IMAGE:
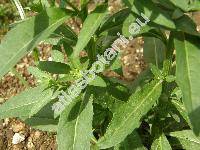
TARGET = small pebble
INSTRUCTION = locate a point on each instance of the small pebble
(18, 138)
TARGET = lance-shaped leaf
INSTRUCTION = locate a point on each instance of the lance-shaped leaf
(183, 4)
(127, 117)
(160, 17)
(67, 34)
(127, 25)
(75, 125)
(194, 5)
(57, 56)
(38, 74)
(109, 98)
(54, 67)
(47, 95)
(43, 120)
(188, 26)
(186, 138)
(21, 104)
(26, 35)
(114, 20)
(181, 109)
(131, 142)
(98, 81)
(165, 3)
(155, 14)
(161, 143)
(187, 74)
(90, 25)
(154, 51)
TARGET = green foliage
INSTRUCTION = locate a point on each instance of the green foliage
(158, 110)
(154, 51)
(90, 25)
(43, 120)
(185, 139)
(75, 125)
(132, 140)
(54, 67)
(25, 104)
(31, 31)
(154, 13)
(188, 51)
(128, 115)
(161, 143)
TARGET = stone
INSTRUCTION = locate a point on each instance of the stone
(18, 138)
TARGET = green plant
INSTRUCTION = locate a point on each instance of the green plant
(158, 110)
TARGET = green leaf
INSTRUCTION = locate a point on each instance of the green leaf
(52, 40)
(187, 74)
(67, 77)
(43, 120)
(188, 26)
(75, 125)
(127, 117)
(149, 9)
(107, 98)
(38, 74)
(194, 6)
(21, 104)
(90, 25)
(116, 65)
(57, 56)
(177, 14)
(187, 139)
(100, 115)
(156, 72)
(114, 20)
(131, 142)
(68, 50)
(166, 3)
(141, 80)
(181, 109)
(68, 35)
(161, 143)
(47, 94)
(170, 78)
(127, 24)
(54, 67)
(26, 35)
(109, 101)
(154, 51)
(98, 81)
(183, 4)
